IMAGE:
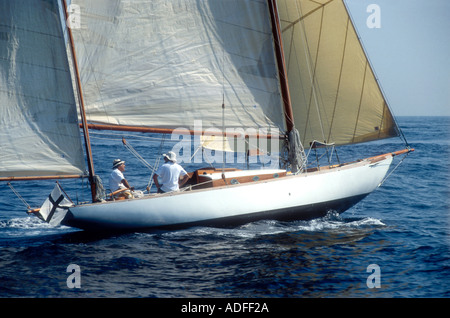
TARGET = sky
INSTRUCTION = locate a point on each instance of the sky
(408, 44)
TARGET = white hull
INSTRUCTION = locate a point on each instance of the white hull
(293, 197)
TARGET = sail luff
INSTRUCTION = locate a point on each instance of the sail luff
(360, 101)
(87, 141)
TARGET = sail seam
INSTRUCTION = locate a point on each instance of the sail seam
(360, 101)
(380, 129)
(339, 81)
(313, 93)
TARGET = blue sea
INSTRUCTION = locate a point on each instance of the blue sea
(393, 244)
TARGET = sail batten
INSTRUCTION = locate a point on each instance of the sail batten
(39, 134)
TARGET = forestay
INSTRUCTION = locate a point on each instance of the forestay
(39, 132)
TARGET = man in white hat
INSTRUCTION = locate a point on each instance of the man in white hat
(117, 180)
(172, 175)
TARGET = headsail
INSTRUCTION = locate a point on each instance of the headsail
(179, 60)
(335, 95)
(39, 132)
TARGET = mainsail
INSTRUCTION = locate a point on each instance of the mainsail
(335, 95)
(180, 60)
(39, 132)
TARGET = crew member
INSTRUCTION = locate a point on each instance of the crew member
(172, 175)
(117, 180)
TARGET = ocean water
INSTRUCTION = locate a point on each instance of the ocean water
(393, 244)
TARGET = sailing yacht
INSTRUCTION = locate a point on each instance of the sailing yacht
(293, 71)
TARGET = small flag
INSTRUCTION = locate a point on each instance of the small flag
(55, 207)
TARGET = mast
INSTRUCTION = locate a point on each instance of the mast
(296, 156)
(276, 29)
(87, 142)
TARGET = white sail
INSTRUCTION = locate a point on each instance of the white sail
(167, 63)
(335, 95)
(39, 132)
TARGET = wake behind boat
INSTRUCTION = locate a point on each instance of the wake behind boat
(260, 70)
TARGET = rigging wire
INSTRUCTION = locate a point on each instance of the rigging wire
(395, 168)
(401, 134)
(223, 115)
(136, 154)
(158, 160)
(19, 196)
(118, 136)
